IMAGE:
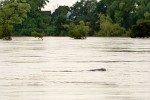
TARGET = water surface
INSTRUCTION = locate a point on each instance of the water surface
(57, 68)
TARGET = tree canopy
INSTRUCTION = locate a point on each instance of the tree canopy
(101, 18)
(12, 12)
(36, 20)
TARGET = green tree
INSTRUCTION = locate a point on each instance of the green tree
(36, 20)
(79, 31)
(37, 4)
(147, 15)
(141, 29)
(125, 12)
(108, 28)
(142, 7)
(60, 18)
(85, 10)
(101, 7)
(12, 12)
(121, 12)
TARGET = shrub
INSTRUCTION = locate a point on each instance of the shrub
(141, 29)
(27, 31)
(79, 31)
(36, 34)
(6, 32)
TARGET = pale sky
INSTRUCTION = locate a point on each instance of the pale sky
(53, 4)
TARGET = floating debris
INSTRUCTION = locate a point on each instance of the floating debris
(101, 69)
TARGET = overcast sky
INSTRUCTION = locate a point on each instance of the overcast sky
(53, 4)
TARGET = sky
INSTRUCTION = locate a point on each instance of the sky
(53, 4)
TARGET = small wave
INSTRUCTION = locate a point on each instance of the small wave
(28, 56)
(69, 71)
(25, 61)
(129, 51)
(65, 71)
(111, 61)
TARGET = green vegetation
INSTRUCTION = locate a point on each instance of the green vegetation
(84, 18)
(6, 32)
(35, 21)
(36, 34)
(11, 13)
(60, 18)
(108, 28)
(141, 29)
(79, 31)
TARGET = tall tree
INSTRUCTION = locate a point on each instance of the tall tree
(36, 20)
(101, 7)
(108, 28)
(37, 4)
(12, 12)
(60, 18)
(121, 11)
(142, 7)
(85, 10)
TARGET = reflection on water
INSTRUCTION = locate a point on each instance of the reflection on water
(59, 68)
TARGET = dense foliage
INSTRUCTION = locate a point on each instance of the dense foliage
(141, 29)
(12, 12)
(35, 21)
(103, 18)
(36, 34)
(79, 31)
(108, 28)
(84, 18)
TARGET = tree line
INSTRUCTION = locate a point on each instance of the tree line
(84, 18)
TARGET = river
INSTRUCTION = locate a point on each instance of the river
(57, 68)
